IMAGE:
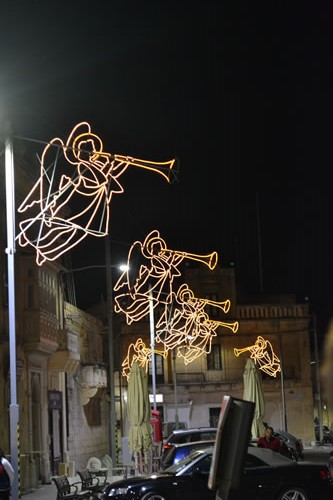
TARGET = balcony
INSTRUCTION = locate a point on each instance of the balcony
(39, 332)
(190, 378)
(67, 357)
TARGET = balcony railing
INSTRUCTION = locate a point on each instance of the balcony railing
(190, 377)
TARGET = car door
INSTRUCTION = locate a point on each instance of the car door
(194, 484)
(257, 481)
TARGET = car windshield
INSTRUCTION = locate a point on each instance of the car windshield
(182, 464)
(257, 456)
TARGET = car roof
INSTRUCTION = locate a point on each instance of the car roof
(193, 443)
(194, 429)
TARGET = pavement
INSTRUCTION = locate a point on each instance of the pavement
(49, 491)
(46, 491)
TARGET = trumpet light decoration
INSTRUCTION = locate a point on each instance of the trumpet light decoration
(151, 280)
(140, 353)
(263, 355)
(71, 201)
(190, 330)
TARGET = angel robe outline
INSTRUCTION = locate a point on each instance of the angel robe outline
(190, 329)
(154, 280)
(263, 354)
(90, 177)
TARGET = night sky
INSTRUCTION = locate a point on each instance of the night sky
(240, 92)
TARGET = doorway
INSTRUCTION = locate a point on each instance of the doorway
(55, 429)
(214, 415)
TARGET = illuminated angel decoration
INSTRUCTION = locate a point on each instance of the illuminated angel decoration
(154, 276)
(70, 202)
(189, 329)
(140, 353)
(262, 353)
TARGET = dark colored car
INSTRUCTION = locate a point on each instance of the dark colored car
(188, 436)
(294, 444)
(178, 451)
(286, 450)
(267, 475)
(327, 434)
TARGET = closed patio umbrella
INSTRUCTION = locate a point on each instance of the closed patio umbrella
(253, 391)
(138, 410)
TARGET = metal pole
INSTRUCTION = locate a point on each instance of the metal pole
(175, 388)
(152, 345)
(318, 387)
(10, 251)
(113, 417)
(283, 393)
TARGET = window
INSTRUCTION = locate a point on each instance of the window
(214, 415)
(214, 358)
(212, 311)
(203, 465)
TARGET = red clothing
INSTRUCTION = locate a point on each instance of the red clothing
(274, 443)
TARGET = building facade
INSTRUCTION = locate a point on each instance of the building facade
(192, 392)
(63, 375)
(61, 371)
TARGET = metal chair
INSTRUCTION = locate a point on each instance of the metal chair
(91, 482)
(69, 491)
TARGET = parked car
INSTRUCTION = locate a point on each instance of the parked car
(267, 475)
(327, 434)
(187, 436)
(294, 444)
(169, 427)
(178, 451)
(286, 450)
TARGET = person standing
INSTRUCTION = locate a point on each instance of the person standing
(6, 476)
(269, 440)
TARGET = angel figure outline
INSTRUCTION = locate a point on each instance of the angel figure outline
(153, 278)
(262, 354)
(72, 201)
(189, 328)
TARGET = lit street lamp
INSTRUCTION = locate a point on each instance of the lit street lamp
(10, 251)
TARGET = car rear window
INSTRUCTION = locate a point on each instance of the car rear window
(189, 437)
(208, 435)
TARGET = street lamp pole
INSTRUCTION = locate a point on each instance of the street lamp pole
(152, 345)
(175, 388)
(113, 417)
(283, 392)
(318, 385)
(10, 251)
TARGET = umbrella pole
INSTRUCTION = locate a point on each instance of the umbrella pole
(136, 463)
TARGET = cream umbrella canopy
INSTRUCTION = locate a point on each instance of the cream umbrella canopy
(253, 391)
(138, 410)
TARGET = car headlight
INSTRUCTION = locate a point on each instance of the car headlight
(118, 491)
